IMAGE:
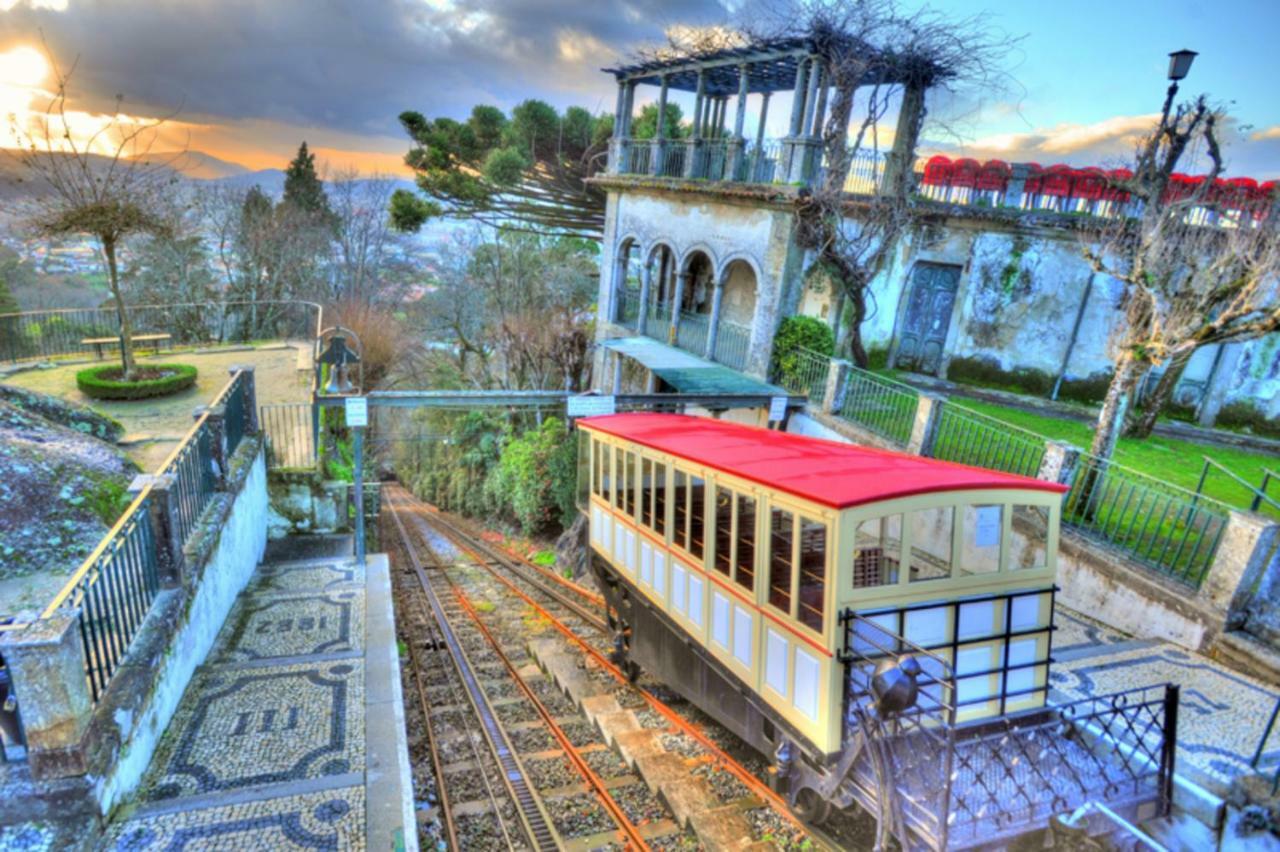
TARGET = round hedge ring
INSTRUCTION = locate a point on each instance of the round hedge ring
(151, 380)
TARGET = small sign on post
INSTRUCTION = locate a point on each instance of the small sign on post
(590, 405)
(777, 409)
(357, 410)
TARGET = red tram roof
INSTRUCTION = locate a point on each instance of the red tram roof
(827, 472)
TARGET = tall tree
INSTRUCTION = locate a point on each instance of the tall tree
(365, 244)
(112, 196)
(1192, 271)
(526, 171)
(303, 189)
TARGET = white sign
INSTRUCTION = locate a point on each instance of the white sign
(987, 531)
(777, 408)
(589, 405)
(357, 411)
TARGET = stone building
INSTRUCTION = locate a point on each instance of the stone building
(990, 285)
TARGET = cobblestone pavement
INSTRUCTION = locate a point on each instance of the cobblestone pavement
(1222, 714)
(283, 739)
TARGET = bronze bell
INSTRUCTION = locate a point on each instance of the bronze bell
(894, 685)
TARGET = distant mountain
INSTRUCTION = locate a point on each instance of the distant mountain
(202, 166)
(270, 181)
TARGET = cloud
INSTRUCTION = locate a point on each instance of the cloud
(346, 67)
(1265, 133)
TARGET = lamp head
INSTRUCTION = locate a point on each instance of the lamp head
(1180, 63)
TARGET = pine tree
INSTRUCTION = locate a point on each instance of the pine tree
(303, 189)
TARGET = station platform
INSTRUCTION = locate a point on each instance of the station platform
(292, 734)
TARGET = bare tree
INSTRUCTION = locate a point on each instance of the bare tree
(110, 185)
(1192, 273)
(873, 51)
(364, 238)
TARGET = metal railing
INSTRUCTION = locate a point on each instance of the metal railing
(628, 307)
(691, 334)
(866, 171)
(712, 159)
(639, 156)
(937, 783)
(880, 404)
(803, 371)
(968, 437)
(40, 335)
(1258, 493)
(287, 427)
(733, 345)
(114, 587)
(1171, 530)
(675, 157)
(760, 164)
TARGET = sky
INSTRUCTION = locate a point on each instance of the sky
(247, 80)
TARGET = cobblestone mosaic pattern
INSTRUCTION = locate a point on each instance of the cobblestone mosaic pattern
(332, 819)
(28, 837)
(291, 626)
(244, 727)
(1078, 633)
(1222, 714)
(324, 577)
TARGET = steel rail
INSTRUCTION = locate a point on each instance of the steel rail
(534, 819)
(718, 755)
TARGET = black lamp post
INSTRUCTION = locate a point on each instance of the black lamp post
(1179, 66)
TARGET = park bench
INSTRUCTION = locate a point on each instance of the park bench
(154, 339)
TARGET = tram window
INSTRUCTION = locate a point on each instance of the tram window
(1033, 530)
(586, 457)
(659, 498)
(931, 538)
(629, 478)
(813, 572)
(980, 542)
(619, 479)
(606, 479)
(877, 552)
(724, 531)
(646, 492)
(682, 509)
(697, 515)
(745, 558)
(781, 538)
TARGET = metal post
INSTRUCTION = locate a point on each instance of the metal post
(358, 451)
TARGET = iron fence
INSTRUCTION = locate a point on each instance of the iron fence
(39, 335)
(657, 323)
(691, 335)
(879, 404)
(289, 436)
(712, 159)
(733, 345)
(938, 783)
(969, 437)
(639, 156)
(866, 171)
(234, 401)
(628, 307)
(113, 590)
(760, 163)
(803, 371)
(675, 158)
(1171, 530)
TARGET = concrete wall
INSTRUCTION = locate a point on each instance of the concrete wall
(181, 629)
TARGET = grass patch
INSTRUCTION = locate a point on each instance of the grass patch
(1171, 459)
(545, 558)
(484, 606)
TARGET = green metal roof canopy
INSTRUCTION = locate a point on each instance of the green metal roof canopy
(688, 373)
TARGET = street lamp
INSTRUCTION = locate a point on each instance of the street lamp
(1179, 66)
(1180, 63)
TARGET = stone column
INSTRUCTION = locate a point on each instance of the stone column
(677, 299)
(46, 663)
(811, 98)
(1248, 550)
(694, 148)
(713, 324)
(617, 150)
(925, 428)
(899, 158)
(1059, 463)
(737, 143)
(163, 509)
(837, 377)
(617, 373)
(798, 92)
(642, 313)
(217, 427)
(659, 152)
(820, 115)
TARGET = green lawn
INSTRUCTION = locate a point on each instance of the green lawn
(1173, 460)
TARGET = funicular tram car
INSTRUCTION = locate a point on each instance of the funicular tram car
(770, 578)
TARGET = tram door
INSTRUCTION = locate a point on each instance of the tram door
(928, 317)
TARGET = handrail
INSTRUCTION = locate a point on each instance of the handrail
(92, 559)
(1258, 494)
(132, 308)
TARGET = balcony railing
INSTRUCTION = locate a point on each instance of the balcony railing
(733, 341)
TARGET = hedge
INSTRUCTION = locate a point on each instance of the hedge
(94, 382)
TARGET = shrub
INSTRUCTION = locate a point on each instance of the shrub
(795, 333)
(105, 382)
(536, 477)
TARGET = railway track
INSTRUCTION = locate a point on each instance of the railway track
(535, 821)
(560, 601)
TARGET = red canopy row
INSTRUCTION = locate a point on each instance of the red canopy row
(1062, 181)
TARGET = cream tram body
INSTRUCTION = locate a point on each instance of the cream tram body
(752, 543)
